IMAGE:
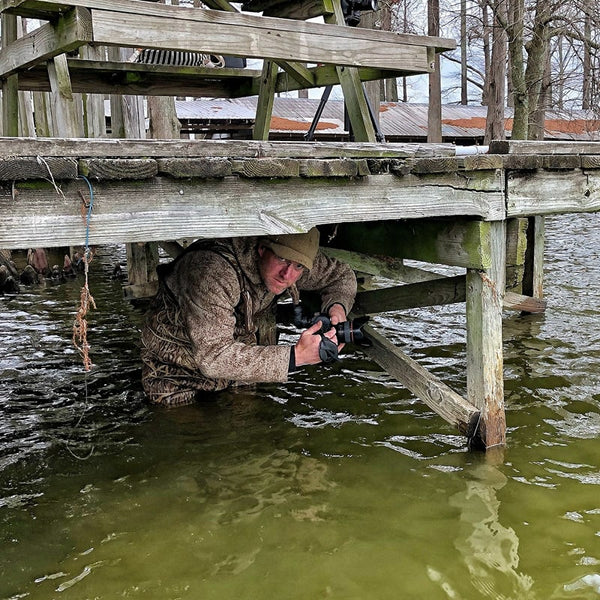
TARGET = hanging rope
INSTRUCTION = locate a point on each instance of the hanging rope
(80, 340)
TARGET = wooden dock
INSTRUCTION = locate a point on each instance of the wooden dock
(481, 212)
(405, 201)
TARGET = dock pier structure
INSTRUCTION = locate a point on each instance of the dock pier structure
(385, 200)
(482, 212)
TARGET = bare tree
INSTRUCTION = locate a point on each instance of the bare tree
(494, 129)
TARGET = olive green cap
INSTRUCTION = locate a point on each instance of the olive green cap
(297, 247)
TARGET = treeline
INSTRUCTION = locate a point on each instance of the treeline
(530, 55)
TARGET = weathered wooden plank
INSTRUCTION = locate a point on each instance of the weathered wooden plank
(130, 148)
(485, 383)
(142, 260)
(94, 111)
(111, 77)
(543, 147)
(53, 167)
(69, 32)
(452, 407)
(590, 162)
(331, 168)
(258, 40)
(484, 180)
(159, 80)
(328, 75)
(433, 292)
(174, 209)
(205, 168)
(523, 303)
(523, 162)
(436, 292)
(436, 165)
(266, 167)
(516, 246)
(460, 243)
(561, 161)
(118, 168)
(304, 76)
(478, 162)
(306, 9)
(362, 128)
(533, 275)
(234, 22)
(552, 192)
(383, 266)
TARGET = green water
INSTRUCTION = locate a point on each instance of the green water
(338, 485)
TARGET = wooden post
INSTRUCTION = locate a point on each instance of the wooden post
(162, 115)
(533, 276)
(10, 85)
(266, 96)
(485, 383)
(42, 116)
(26, 124)
(64, 112)
(142, 260)
(94, 119)
(434, 114)
(354, 94)
(127, 121)
(126, 112)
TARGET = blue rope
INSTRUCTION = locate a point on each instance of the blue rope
(89, 215)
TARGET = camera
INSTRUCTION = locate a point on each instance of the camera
(352, 8)
(348, 332)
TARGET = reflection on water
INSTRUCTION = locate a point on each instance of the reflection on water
(338, 485)
(489, 549)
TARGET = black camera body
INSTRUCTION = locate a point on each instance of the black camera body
(348, 332)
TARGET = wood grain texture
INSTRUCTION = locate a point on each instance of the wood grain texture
(165, 208)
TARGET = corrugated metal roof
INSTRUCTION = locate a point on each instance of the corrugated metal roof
(398, 120)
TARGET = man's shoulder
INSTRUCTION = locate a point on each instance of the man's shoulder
(209, 259)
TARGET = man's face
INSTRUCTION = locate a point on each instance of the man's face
(277, 273)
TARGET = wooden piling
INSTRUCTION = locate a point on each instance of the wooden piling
(485, 382)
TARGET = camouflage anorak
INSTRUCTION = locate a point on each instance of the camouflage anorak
(202, 332)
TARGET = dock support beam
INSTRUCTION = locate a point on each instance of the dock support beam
(142, 260)
(485, 382)
(533, 277)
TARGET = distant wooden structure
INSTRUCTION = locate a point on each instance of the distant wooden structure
(403, 201)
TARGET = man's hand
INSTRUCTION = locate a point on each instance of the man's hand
(307, 349)
(337, 314)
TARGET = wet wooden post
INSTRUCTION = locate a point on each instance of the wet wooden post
(485, 380)
(533, 276)
(142, 260)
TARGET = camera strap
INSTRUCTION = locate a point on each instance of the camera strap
(328, 350)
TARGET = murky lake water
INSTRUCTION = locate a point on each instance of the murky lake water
(339, 485)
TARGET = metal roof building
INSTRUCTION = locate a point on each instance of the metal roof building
(400, 122)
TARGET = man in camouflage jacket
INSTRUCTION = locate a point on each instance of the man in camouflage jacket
(203, 330)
